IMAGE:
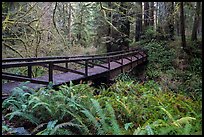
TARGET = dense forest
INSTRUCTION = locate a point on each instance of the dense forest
(161, 97)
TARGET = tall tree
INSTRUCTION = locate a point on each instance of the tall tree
(196, 22)
(138, 27)
(156, 16)
(161, 17)
(69, 21)
(151, 23)
(119, 24)
(146, 14)
(183, 37)
(177, 21)
(125, 26)
(109, 35)
(171, 20)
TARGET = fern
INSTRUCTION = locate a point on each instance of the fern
(35, 103)
(93, 120)
(30, 117)
(48, 130)
(170, 116)
(187, 129)
(62, 125)
(78, 118)
(149, 130)
(37, 128)
(45, 105)
(100, 113)
(115, 126)
(184, 120)
(139, 131)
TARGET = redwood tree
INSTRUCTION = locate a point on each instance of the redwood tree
(138, 27)
(151, 23)
(196, 22)
(183, 38)
(146, 14)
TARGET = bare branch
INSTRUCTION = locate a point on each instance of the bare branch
(8, 46)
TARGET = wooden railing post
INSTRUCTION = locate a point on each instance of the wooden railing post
(66, 65)
(86, 68)
(50, 72)
(121, 64)
(29, 71)
(92, 61)
(131, 60)
(108, 63)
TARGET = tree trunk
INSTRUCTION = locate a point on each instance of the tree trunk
(108, 44)
(138, 27)
(156, 17)
(177, 24)
(69, 22)
(146, 14)
(119, 37)
(171, 21)
(183, 38)
(152, 14)
(124, 27)
(196, 22)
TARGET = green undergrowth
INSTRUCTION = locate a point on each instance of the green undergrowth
(126, 107)
(173, 68)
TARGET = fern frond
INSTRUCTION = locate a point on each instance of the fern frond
(30, 117)
(34, 99)
(139, 131)
(64, 125)
(187, 129)
(169, 115)
(149, 130)
(17, 91)
(12, 102)
(100, 113)
(86, 130)
(93, 120)
(50, 127)
(183, 120)
(126, 107)
(115, 126)
(37, 128)
(45, 105)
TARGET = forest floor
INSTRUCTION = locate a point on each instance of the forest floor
(178, 75)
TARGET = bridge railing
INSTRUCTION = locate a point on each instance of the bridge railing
(66, 57)
(51, 64)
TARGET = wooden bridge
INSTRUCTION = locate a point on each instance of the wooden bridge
(106, 65)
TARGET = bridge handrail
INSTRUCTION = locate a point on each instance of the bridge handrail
(67, 57)
(57, 61)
